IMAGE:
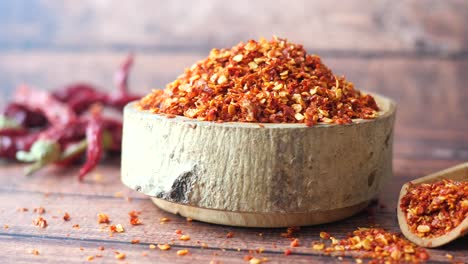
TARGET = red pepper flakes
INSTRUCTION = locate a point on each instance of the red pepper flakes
(290, 232)
(134, 220)
(39, 210)
(287, 252)
(164, 246)
(184, 237)
(164, 220)
(135, 241)
(248, 257)
(255, 261)
(324, 235)
(34, 252)
(76, 226)
(116, 228)
(433, 209)
(378, 244)
(119, 255)
(40, 222)
(66, 217)
(178, 232)
(295, 243)
(263, 82)
(101, 248)
(182, 252)
(230, 235)
(22, 209)
(103, 218)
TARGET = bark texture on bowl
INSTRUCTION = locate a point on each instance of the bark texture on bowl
(242, 167)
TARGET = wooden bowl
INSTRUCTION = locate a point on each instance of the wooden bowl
(244, 174)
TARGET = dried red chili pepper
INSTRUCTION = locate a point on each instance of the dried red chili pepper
(24, 117)
(55, 111)
(94, 133)
(54, 127)
(122, 97)
(10, 145)
(79, 96)
(13, 132)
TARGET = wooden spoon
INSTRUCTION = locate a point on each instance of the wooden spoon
(456, 173)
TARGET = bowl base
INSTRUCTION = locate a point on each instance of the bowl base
(248, 219)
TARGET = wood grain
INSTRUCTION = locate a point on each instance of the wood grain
(61, 238)
(416, 26)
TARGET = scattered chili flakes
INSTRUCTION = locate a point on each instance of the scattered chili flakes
(164, 246)
(34, 252)
(135, 241)
(66, 217)
(287, 252)
(184, 237)
(263, 82)
(324, 235)
(433, 209)
(378, 244)
(164, 220)
(290, 232)
(89, 258)
(248, 257)
(318, 246)
(76, 226)
(134, 220)
(178, 231)
(255, 261)
(103, 218)
(230, 235)
(182, 252)
(119, 255)
(22, 209)
(101, 248)
(295, 243)
(116, 228)
(39, 210)
(40, 222)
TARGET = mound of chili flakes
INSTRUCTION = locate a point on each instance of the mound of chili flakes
(267, 82)
(433, 209)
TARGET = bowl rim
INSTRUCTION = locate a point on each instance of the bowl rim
(388, 109)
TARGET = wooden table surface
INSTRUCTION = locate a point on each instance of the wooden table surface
(415, 52)
(58, 192)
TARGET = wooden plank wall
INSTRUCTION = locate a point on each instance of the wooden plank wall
(415, 52)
